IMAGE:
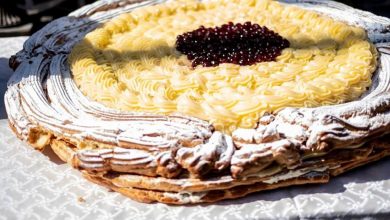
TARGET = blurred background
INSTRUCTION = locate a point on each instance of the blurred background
(24, 17)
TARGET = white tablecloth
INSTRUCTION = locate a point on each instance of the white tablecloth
(40, 186)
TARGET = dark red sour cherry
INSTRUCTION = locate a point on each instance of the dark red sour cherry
(242, 44)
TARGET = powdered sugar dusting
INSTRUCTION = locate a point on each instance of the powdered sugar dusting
(41, 94)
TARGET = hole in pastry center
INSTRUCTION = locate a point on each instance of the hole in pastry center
(141, 61)
(241, 44)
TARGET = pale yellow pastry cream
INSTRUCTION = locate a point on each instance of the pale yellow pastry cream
(130, 63)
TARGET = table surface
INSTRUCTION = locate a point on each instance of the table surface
(39, 186)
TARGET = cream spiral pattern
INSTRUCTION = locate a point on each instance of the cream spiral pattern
(130, 63)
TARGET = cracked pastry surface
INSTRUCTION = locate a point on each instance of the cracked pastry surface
(130, 63)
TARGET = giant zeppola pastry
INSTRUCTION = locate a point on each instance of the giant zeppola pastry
(198, 101)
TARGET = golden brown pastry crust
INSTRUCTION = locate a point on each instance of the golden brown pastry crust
(187, 190)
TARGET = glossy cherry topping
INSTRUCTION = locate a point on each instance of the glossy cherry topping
(242, 44)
